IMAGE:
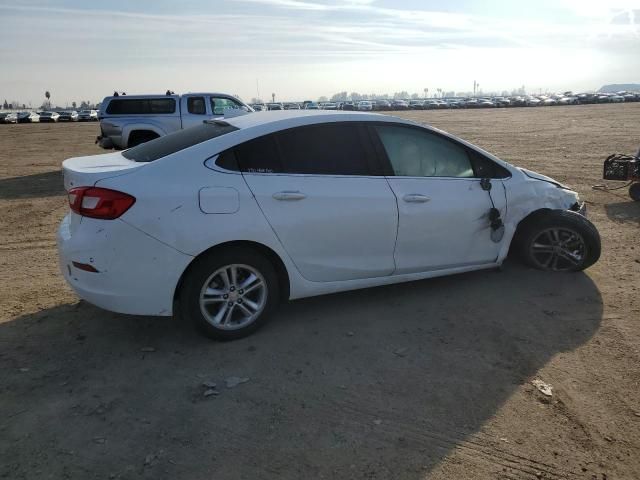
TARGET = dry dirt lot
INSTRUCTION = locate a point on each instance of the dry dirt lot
(424, 380)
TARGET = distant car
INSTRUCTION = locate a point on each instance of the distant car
(11, 117)
(382, 105)
(49, 117)
(275, 106)
(399, 105)
(617, 99)
(416, 104)
(430, 105)
(68, 116)
(27, 117)
(348, 106)
(365, 106)
(291, 106)
(232, 217)
(501, 102)
(311, 106)
(330, 106)
(88, 116)
(259, 107)
(3, 116)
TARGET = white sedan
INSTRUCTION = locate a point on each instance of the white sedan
(226, 219)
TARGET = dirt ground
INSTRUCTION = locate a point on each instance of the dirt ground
(424, 380)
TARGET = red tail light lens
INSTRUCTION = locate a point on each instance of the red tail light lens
(99, 203)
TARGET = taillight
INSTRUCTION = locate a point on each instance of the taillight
(99, 203)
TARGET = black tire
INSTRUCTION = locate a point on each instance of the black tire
(634, 191)
(570, 237)
(200, 274)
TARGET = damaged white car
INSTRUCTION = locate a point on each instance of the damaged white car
(224, 220)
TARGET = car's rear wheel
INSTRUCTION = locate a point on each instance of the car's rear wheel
(634, 191)
(559, 241)
(230, 293)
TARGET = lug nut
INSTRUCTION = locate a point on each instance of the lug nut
(240, 291)
(225, 296)
(239, 300)
(230, 304)
(233, 289)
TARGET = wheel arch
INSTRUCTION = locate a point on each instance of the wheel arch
(281, 270)
(522, 224)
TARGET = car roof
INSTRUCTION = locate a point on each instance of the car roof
(281, 119)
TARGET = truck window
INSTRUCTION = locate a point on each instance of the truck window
(218, 104)
(140, 106)
(196, 106)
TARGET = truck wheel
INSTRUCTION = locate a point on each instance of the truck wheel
(230, 293)
(559, 241)
(634, 191)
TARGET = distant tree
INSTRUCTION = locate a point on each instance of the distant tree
(339, 97)
(256, 100)
(5, 105)
(323, 99)
(355, 96)
(47, 95)
(426, 92)
(401, 95)
(415, 96)
(73, 104)
(24, 106)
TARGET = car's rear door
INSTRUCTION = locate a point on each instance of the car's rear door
(319, 189)
(443, 210)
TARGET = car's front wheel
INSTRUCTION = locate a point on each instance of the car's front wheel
(230, 293)
(559, 241)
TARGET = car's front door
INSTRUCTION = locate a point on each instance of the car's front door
(443, 210)
(318, 188)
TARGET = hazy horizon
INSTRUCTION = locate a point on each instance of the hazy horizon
(301, 49)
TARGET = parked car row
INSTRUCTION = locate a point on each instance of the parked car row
(566, 98)
(49, 116)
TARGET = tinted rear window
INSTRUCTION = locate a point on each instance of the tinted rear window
(137, 106)
(174, 142)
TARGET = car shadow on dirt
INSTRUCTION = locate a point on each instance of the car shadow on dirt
(32, 186)
(628, 211)
(377, 383)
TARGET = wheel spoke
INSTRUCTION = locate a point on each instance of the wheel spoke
(542, 248)
(214, 292)
(248, 281)
(253, 305)
(258, 284)
(246, 311)
(570, 256)
(234, 275)
(220, 315)
(210, 300)
(225, 279)
(228, 315)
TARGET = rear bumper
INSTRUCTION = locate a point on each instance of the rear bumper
(136, 274)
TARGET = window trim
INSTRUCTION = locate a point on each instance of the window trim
(388, 166)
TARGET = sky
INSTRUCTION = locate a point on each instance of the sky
(303, 49)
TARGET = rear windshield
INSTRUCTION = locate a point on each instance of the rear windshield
(174, 142)
(137, 106)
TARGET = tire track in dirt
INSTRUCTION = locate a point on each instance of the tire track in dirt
(476, 445)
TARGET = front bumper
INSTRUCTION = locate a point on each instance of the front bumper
(579, 207)
(136, 274)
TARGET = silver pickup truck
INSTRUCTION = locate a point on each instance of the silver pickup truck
(129, 120)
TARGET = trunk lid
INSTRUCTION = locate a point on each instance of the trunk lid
(86, 171)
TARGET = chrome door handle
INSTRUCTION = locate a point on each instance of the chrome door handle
(287, 195)
(415, 198)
